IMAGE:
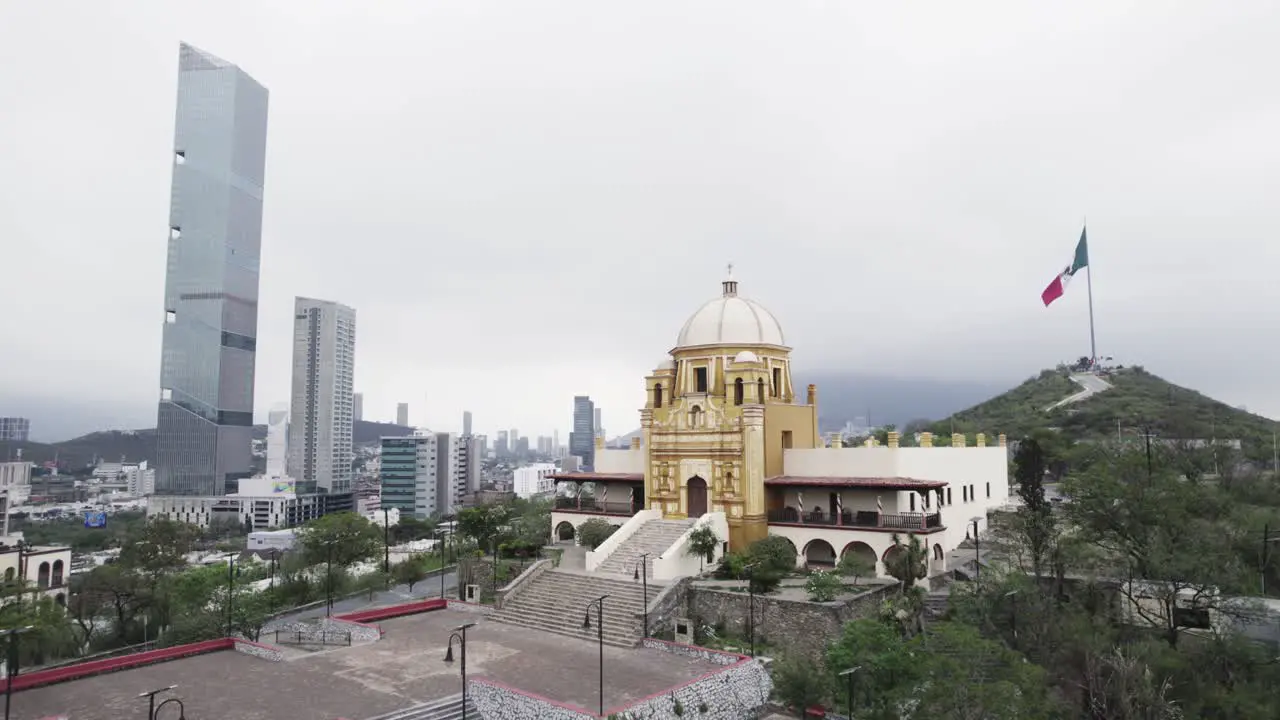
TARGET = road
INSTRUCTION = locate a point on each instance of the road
(429, 588)
(1091, 384)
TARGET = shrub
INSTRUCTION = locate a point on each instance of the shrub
(823, 586)
(594, 532)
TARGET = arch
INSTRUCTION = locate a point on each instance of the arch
(657, 395)
(819, 552)
(565, 531)
(760, 390)
(937, 552)
(43, 577)
(8, 574)
(61, 599)
(58, 569)
(738, 391)
(795, 553)
(696, 496)
(695, 416)
(860, 550)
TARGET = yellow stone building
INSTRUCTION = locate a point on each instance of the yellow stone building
(726, 440)
(719, 413)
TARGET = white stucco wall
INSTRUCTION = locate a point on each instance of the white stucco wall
(628, 460)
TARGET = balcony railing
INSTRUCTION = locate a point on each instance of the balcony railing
(591, 505)
(860, 519)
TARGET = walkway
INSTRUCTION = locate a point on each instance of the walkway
(1091, 384)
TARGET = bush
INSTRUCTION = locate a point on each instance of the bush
(594, 532)
(774, 553)
(823, 586)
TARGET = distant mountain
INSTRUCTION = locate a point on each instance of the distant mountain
(1137, 399)
(138, 445)
(883, 400)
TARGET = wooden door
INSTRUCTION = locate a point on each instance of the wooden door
(697, 497)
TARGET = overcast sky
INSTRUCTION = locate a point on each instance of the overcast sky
(524, 200)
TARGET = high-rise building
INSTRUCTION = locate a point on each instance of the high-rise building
(513, 439)
(533, 480)
(204, 426)
(402, 414)
(582, 440)
(482, 444)
(502, 447)
(357, 406)
(597, 427)
(469, 456)
(277, 443)
(425, 474)
(15, 428)
(324, 351)
(555, 442)
(466, 422)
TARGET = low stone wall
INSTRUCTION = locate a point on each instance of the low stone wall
(324, 631)
(796, 627)
(495, 700)
(719, 657)
(528, 576)
(360, 632)
(470, 607)
(736, 692)
(258, 650)
(665, 608)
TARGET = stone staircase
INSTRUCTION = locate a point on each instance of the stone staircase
(654, 537)
(936, 604)
(556, 602)
(449, 708)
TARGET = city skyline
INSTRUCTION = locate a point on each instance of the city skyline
(490, 231)
(210, 309)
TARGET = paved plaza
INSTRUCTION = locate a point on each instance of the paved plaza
(404, 668)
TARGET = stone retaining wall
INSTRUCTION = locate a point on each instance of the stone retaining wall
(495, 700)
(664, 608)
(736, 692)
(796, 627)
(360, 632)
(258, 650)
(324, 631)
(719, 657)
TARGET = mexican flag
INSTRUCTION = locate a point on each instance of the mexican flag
(1078, 263)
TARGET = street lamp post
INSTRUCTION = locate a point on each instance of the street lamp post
(750, 570)
(598, 603)
(386, 544)
(849, 674)
(460, 634)
(1013, 615)
(11, 667)
(977, 552)
(231, 588)
(328, 580)
(642, 574)
(152, 710)
(1268, 537)
(440, 542)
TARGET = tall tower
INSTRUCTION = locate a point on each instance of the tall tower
(324, 352)
(582, 438)
(466, 423)
(277, 442)
(357, 406)
(720, 412)
(205, 422)
(402, 414)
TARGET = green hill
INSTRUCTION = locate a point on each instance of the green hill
(1137, 400)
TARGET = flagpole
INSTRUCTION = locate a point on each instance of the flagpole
(1093, 343)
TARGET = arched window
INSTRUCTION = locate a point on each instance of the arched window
(737, 391)
(760, 390)
(43, 578)
(695, 417)
(8, 574)
(58, 569)
(657, 395)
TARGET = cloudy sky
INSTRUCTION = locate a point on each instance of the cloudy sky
(525, 199)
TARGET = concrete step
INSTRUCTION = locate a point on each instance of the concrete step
(449, 708)
(610, 638)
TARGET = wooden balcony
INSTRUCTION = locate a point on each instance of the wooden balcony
(921, 523)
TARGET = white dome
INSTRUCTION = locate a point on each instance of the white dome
(746, 356)
(731, 320)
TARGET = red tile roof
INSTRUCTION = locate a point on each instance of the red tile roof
(869, 483)
(603, 477)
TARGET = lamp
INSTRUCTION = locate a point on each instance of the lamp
(460, 634)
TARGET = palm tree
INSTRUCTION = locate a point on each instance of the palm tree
(907, 562)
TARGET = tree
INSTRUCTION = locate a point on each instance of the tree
(483, 523)
(1034, 522)
(823, 586)
(853, 565)
(344, 538)
(410, 528)
(774, 557)
(703, 543)
(593, 533)
(907, 562)
(796, 684)
(159, 547)
(1170, 539)
(410, 572)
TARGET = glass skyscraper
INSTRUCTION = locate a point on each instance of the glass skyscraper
(205, 423)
